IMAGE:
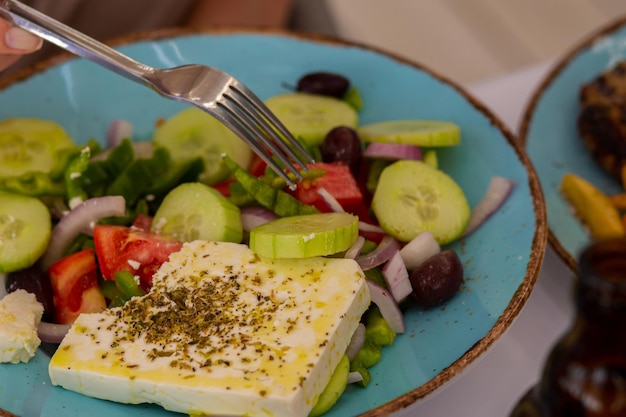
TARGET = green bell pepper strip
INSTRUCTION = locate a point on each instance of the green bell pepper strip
(121, 289)
(80, 242)
(36, 184)
(377, 334)
(239, 196)
(271, 178)
(280, 202)
(376, 167)
(75, 194)
(129, 288)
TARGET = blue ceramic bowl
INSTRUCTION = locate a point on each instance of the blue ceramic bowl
(502, 259)
(550, 133)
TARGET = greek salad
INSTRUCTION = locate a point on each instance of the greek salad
(84, 227)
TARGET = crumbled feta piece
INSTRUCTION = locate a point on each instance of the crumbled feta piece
(75, 202)
(20, 314)
(134, 264)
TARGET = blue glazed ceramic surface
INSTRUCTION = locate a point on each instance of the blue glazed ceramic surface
(502, 259)
(550, 133)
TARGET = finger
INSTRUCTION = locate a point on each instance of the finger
(14, 40)
(7, 60)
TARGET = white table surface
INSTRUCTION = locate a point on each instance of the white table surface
(493, 383)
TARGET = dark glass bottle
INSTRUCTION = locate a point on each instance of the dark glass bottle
(585, 373)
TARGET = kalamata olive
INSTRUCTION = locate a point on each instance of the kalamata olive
(437, 279)
(324, 83)
(35, 281)
(342, 144)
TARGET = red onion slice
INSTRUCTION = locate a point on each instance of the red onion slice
(118, 130)
(355, 249)
(356, 343)
(388, 307)
(385, 250)
(392, 151)
(372, 228)
(397, 277)
(252, 217)
(354, 376)
(78, 220)
(497, 193)
(52, 332)
(420, 248)
(329, 199)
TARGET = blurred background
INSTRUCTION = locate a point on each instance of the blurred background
(466, 40)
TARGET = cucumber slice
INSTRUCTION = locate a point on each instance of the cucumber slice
(412, 132)
(336, 386)
(195, 211)
(412, 197)
(24, 231)
(310, 117)
(193, 133)
(30, 145)
(305, 236)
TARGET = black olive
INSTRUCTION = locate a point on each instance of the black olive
(324, 83)
(37, 282)
(342, 144)
(437, 279)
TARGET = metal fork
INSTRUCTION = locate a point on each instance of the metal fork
(210, 89)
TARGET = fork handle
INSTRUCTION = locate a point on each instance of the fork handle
(73, 41)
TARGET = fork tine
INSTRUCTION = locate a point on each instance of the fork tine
(243, 129)
(247, 120)
(259, 107)
(269, 135)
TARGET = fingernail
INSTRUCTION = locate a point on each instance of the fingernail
(18, 38)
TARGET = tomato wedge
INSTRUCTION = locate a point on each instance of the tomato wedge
(143, 222)
(120, 248)
(338, 181)
(75, 287)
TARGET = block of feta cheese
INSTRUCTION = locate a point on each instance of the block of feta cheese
(222, 331)
(20, 314)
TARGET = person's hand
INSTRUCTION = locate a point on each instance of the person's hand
(15, 42)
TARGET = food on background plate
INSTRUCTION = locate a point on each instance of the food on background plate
(593, 207)
(602, 128)
(135, 213)
(602, 119)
